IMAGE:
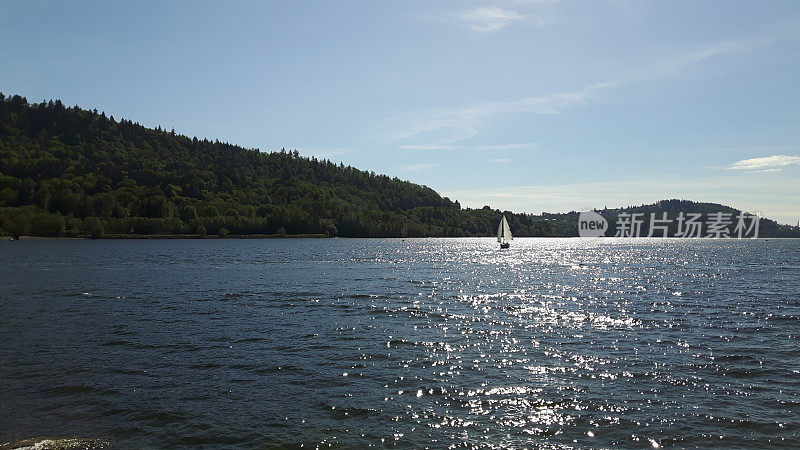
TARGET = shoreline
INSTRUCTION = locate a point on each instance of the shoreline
(324, 236)
(166, 236)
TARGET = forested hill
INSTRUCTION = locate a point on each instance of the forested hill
(65, 171)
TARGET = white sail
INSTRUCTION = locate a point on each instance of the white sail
(500, 230)
(504, 231)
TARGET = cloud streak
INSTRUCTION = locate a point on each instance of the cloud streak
(765, 164)
(430, 147)
(459, 124)
(485, 147)
(488, 19)
(514, 146)
(463, 123)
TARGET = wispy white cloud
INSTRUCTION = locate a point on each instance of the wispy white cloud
(463, 123)
(675, 63)
(766, 163)
(488, 19)
(514, 146)
(421, 166)
(764, 171)
(484, 147)
(430, 147)
(459, 124)
(499, 160)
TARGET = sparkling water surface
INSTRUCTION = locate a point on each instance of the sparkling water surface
(402, 343)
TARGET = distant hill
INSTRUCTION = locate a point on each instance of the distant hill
(66, 171)
(566, 224)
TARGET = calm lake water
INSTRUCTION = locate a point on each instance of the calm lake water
(406, 343)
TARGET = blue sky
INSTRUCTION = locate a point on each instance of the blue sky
(537, 105)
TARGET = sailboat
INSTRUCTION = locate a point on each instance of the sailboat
(504, 233)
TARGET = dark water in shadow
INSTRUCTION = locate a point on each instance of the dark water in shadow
(402, 343)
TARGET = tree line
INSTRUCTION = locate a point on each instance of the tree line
(66, 171)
